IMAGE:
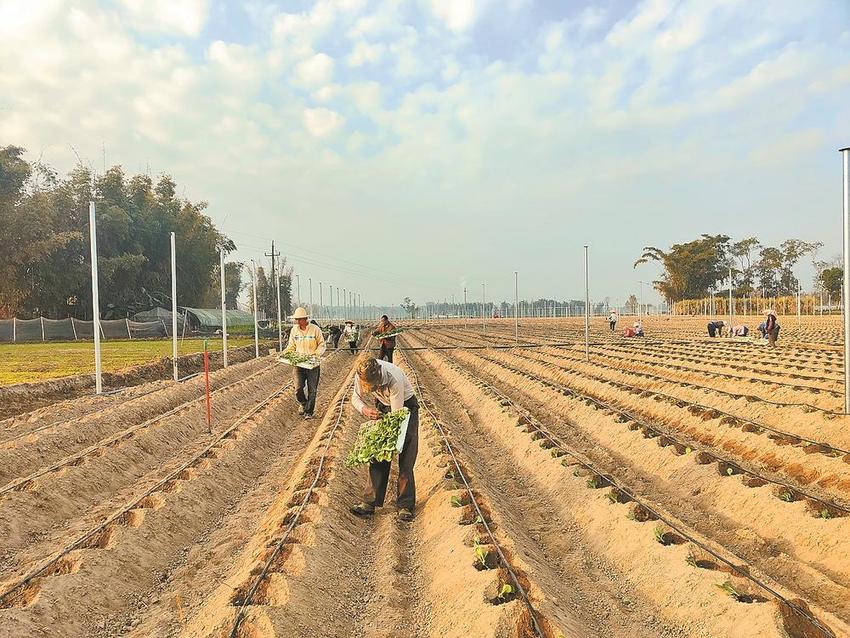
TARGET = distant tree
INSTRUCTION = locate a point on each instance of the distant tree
(409, 307)
(832, 279)
(46, 264)
(690, 269)
(632, 304)
(742, 251)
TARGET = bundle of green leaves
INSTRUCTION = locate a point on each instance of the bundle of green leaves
(376, 440)
(294, 358)
(391, 333)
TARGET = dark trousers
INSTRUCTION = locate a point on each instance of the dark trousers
(352, 345)
(379, 473)
(310, 378)
(712, 330)
(386, 353)
(772, 336)
(613, 325)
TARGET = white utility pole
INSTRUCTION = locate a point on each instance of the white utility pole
(845, 152)
(256, 327)
(95, 302)
(731, 303)
(586, 310)
(174, 305)
(483, 302)
(223, 313)
(279, 312)
(516, 306)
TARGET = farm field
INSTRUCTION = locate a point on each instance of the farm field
(671, 486)
(26, 362)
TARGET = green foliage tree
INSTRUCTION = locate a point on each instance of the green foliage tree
(45, 229)
(832, 279)
(409, 307)
(690, 270)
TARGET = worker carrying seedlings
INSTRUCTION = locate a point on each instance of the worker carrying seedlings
(392, 391)
(715, 328)
(387, 344)
(305, 338)
(771, 328)
(612, 320)
(334, 333)
(350, 334)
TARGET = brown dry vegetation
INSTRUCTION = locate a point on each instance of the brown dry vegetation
(672, 486)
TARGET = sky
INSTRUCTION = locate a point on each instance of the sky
(416, 147)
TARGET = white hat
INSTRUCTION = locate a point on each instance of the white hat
(300, 313)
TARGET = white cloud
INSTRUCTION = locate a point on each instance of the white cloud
(185, 17)
(322, 122)
(457, 15)
(366, 53)
(317, 69)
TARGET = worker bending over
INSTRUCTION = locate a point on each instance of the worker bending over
(392, 391)
(715, 328)
(305, 338)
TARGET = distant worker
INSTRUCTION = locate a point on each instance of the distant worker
(715, 328)
(388, 344)
(392, 391)
(334, 333)
(638, 327)
(612, 320)
(763, 329)
(305, 338)
(771, 326)
(739, 331)
(350, 334)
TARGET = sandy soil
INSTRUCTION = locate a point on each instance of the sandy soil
(648, 492)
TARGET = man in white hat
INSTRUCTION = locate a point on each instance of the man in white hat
(305, 338)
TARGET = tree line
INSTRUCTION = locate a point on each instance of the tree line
(45, 268)
(695, 269)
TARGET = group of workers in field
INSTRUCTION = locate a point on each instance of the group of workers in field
(378, 377)
(636, 330)
(768, 329)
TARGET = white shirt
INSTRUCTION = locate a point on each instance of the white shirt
(394, 390)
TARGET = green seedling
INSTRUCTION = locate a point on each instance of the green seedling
(825, 513)
(506, 590)
(456, 502)
(481, 554)
(479, 520)
(688, 450)
(659, 534)
(612, 497)
(729, 471)
(729, 589)
(787, 496)
(593, 482)
(690, 560)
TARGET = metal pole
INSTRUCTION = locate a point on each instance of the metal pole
(586, 310)
(731, 307)
(845, 152)
(798, 303)
(95, 301)
(298, 280)
(256, 327)
(516, 304)
(174, 305)
(321, 302)
(310, 279)
(464, 307)
(483, 318)
(223, 313)
(279, 318)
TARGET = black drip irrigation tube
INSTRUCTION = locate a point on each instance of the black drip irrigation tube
(782, 404)
(743, 573)
(707, 407)
(87, 536)
(520, 589)
(111, 439)
(252, 591)
(661, 432)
